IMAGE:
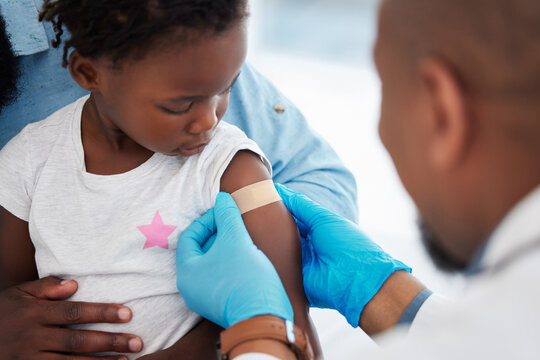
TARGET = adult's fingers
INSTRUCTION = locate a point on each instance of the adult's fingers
(228, 218)
(86, 341)
(195, 237)
(49, 288)
(303, 208)
(70, 312)
(208, 244)
(302, 228)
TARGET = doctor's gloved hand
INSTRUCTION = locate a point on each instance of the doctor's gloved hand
(342, 268)
(222, 275)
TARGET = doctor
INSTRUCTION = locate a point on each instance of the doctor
(460, 118)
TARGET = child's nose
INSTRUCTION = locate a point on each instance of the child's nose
(204, 121)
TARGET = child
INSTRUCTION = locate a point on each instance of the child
(101, 190)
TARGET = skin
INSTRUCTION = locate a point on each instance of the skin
(169, 102)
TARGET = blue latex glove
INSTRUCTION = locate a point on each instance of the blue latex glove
(222, 275)
(342, 268)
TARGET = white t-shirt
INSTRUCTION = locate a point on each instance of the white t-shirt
(116, 235)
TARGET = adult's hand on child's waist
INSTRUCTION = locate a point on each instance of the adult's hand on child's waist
(33, 315)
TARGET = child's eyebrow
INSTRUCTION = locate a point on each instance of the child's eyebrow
(202, 97)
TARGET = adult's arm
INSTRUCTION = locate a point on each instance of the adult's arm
(382, 313)
(301, 159)
(425, 339)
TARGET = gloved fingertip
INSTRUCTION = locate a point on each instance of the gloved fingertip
(227, 216)
(207, 220)
(225, 204)
(282, 190)
(224, 201)
(223, 196)
(303, 229)
(208, 244)
(195, 236)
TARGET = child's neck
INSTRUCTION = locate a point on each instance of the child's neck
(108, 151)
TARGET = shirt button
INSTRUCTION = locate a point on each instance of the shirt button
(279, 108)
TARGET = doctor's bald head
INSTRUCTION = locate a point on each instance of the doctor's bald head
(492, 45)
(459, 114)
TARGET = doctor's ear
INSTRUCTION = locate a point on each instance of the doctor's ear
(449, 119)
(84, 71)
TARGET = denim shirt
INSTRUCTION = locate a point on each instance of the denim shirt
(301, 159)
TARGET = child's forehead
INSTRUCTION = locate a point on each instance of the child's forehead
(206, 64)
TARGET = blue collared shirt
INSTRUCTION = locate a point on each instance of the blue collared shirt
(300, 158)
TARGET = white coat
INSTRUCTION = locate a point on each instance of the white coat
(496, 317)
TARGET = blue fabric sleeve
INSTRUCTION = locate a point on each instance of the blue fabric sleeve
(410, 313)
(301, 159)
(26, 32)
(44, 85)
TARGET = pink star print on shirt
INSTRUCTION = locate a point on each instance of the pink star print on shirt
(157, 233)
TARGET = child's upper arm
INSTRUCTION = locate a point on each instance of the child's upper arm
(274, 231)
(17, 262)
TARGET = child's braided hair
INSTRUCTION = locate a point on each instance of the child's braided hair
(123, 28)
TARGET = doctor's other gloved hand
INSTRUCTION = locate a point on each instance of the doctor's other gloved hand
(222, 275)
(342, 268)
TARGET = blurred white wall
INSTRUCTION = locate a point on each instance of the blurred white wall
(318, 52)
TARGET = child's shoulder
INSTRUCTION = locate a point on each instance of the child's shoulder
(224, 130)
(41, 135)
(56, 120)
(36, 140)
(227, 141)
(226, 138)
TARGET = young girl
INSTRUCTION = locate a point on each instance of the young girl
(100, 191)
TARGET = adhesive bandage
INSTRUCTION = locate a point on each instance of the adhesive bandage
(256, 195)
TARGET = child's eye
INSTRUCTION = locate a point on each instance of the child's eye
(228, 90)
(183, 111)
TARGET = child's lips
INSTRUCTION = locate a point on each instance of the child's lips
(192, 150)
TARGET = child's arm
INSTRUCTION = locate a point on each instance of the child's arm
(274, 231)
(17, 264)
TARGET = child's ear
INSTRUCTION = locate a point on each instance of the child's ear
(84, 71)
